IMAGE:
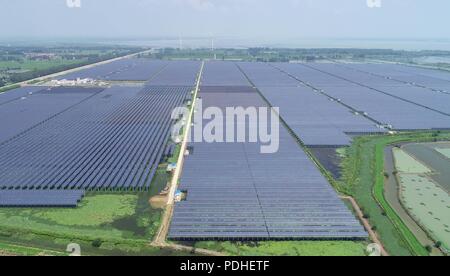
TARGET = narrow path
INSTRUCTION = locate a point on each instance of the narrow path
(372, 234)
(160, 239)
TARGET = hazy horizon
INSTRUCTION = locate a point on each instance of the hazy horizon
(290, 23)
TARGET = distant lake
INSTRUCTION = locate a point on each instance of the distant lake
(412, 45)
(433, 59)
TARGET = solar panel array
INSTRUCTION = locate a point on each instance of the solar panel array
(17, 94)
(318, 120)
(222, 74)
(114, 140)
(234, 192)
(178, 73)
(431, 79)
(386, 101)
(315, 119)
(27, 111)
(130, 69)
(263, 76)
(40, 198)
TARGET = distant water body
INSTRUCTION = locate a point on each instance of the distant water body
(230, 42)
(411, 45)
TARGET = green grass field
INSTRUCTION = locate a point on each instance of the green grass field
(363, 178)
(32, 65)
(96, 218)
(123, 223)
(288, 248)
(19, 250)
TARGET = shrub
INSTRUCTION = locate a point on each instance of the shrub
(97, 243)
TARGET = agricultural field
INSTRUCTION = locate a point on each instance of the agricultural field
(423, 195)
(364, 177)
(428, 204)
(18, 64)
(405, 163)
(104, 223)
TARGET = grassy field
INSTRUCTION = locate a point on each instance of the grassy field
(363, 178)
(36, 65)
(289, 248)
(18, 250)
(116, 224)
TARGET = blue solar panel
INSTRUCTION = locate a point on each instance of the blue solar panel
(131, 69)
(386, 101)
(112, 140)
(45, 103)
(177, 73)
(40, 198)
(234, 192)
(223, 74)
(18, 94)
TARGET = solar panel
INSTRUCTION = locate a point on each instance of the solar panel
(130, 69)
(112, 140)
(391, 105)
(45, 103)
(236, 193)
(40, 198)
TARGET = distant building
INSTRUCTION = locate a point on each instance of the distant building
(77, 82)
(171, 167)
(178, 196)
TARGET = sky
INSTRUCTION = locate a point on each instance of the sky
(269, 19)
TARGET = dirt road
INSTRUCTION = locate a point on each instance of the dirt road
(372, 234)
(160, 239)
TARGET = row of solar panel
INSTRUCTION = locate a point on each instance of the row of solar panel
(40, 198)
(113, 140)
(240, 193)
(388, 102)
(324, 104)
(37, 105)
(155, 72)
(131, 69)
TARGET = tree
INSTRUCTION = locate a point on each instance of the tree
(97, 243)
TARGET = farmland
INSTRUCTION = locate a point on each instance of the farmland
(425, 197)
(18, 64)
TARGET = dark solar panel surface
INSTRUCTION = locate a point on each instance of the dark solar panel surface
(217, 73)
(178, 73)
(131, 69)
(42, 105)
(384, 100)
(17, 94)
(314, 118)
(40, 198)
(263, 75)
(235, 192)
(112, 140)
(99, 71)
